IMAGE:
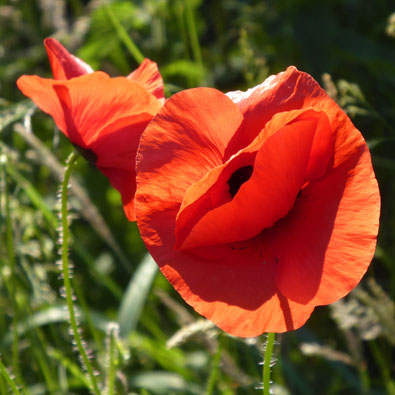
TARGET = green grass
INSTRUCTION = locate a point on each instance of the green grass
(127, 312)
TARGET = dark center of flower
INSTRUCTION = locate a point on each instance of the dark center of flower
(238, 178)
(87, 153)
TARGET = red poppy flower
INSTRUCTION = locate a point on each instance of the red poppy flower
(259, 208)
(102, 116)
(66, 66)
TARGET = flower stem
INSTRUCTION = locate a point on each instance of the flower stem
(123, 35)
(190, 18)
(9, 379)
(215, 364)
(12, 262)
(71, 161)
(111, 359)
(267, 363)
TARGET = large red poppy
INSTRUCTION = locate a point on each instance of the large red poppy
(258, 205)
(102, 116)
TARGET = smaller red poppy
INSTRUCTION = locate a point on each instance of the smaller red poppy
(258, 205)
(103, 117)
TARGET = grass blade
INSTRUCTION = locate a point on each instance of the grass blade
(123, 35)
(9, 379)
(136, 295)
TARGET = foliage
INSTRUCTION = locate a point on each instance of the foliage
(140, 335)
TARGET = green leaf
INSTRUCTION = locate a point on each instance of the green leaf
(164, 383)
(52, 315)
(184, 68)
(71, 366)
(136, 295)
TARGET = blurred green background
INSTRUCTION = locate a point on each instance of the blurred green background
(142, 337)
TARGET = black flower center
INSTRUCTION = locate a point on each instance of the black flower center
(238, 178)
(87, 153)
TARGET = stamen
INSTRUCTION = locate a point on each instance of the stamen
(238, 178)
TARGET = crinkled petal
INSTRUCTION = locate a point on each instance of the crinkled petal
(286, 91)
(41, 91)
(147, 74)
(94, 102)
(327, 241)
(189, 136)
(104, 117)
(316, 253)
(87, 108)
(330, 236)
(205, 195)
(64, 65)
(118, 142)
(233, 284)
(280, 169)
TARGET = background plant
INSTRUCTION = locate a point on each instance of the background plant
(141, 336)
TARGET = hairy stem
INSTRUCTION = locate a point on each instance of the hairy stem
(9, 379)
(267, 363)
(66, 272)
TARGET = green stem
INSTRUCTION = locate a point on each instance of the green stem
(193, 32)
(384, 370)
(214, 368)
(71, 160)
(267, 363)
(179, 10)
(123, 35)
(10, 238)
(9, 379)
(11, 285)
(112, 361)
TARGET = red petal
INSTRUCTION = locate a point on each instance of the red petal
(147, 74)
(286, 91)
(328, 249)
(186, 139)
(64, 65)
(116, 146)
(94, 103)
(86, 115)
(234, 287)
(314, 255)
(280, 170)
(236, 290)
(125, 182)
(208, 193)
(41, 91)
(330, 235)
(101, 114)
